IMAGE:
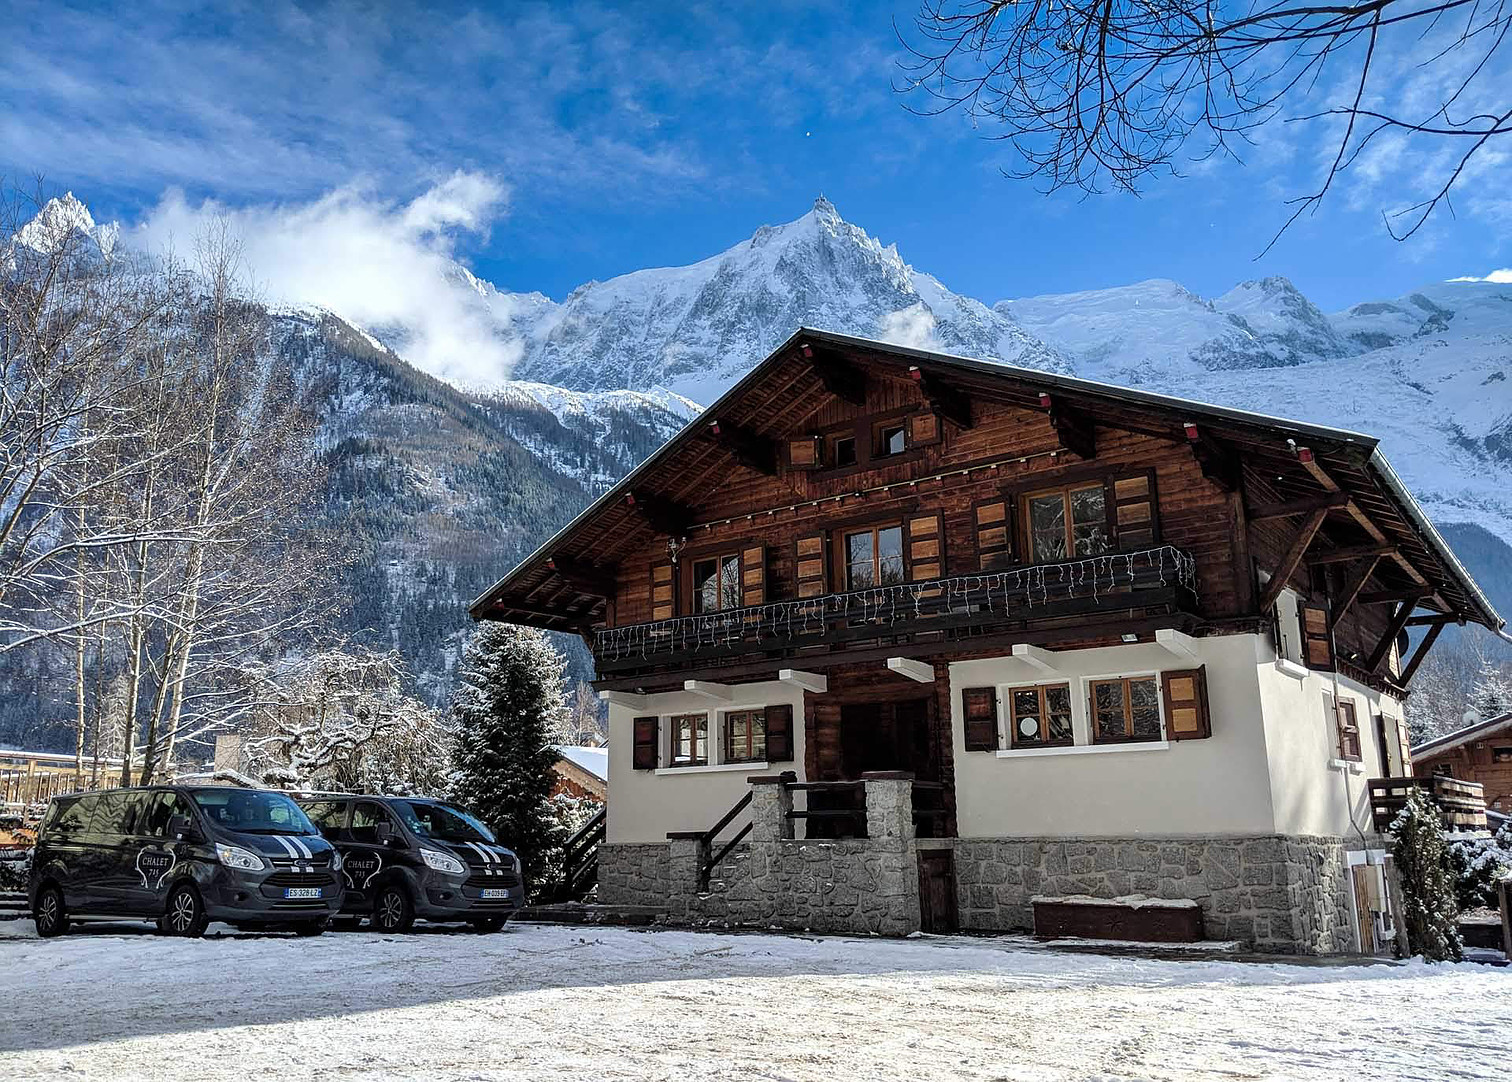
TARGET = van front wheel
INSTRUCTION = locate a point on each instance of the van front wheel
(50, 916)
(393, 912)
(185, 915)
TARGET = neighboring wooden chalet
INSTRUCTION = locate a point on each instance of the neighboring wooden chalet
(1479, 753)
(1012, 638)
(581, 772)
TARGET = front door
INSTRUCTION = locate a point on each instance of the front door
(937, 891)
(886, 736)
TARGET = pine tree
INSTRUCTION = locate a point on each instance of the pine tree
(1492, 694)
(1418, 849)
(508, 702)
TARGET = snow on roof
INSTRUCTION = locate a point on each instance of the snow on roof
(594, 760)
(1453, 740)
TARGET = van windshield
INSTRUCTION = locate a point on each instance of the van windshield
(252, 811)
(441, 821)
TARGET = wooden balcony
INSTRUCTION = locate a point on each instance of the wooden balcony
(1162, 579)
(1462, 803)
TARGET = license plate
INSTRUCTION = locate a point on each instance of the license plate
(494, 892)
(301, 892)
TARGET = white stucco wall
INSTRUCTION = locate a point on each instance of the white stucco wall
(645, 804)
(1218, 785)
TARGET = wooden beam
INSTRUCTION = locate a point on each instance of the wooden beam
(1353, 585)
(815, 682)
(750, 450)
(1266, 512)
(1315, 469)
(709, 689)
(946, 400)
(1346, 553)
(1219, 465)
(1421, 652)
(840, 378)
(1436, 618)
(1074, 430)
(1394, 628)
(1303, 537)
(1037, 656)
(588, 578)
(919, 671)
(1386, 597)
(663, 515)
(573, 620)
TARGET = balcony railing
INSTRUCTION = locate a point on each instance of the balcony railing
(1162, 575)
(1461, 803)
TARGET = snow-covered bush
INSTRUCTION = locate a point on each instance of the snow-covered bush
(1478, 861)
(15, 868)
(508, 704)
(1418, 849)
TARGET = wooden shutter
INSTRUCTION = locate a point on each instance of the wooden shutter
(1186, 704)
(1132, 511)
(753, 575)
(979, 711)
(662, 594)
(1317, 646)
(994, 534)
(812, 579)
(645, 753)
(923, 429)
(779, 733)
(926, 547)
(806, 453)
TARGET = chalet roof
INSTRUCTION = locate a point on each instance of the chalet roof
(542, 590)
(1470, 733)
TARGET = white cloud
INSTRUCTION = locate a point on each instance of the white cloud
(913, 326)
(1501, 277)
(385, 265)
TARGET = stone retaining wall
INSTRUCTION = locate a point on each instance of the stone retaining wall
(634, 874)
(1271, 893)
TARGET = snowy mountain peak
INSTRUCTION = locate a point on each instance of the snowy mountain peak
(61, 218)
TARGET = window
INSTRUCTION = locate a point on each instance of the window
(873, 557)
(889, 439)
(1349, 731)
(365, 819)
(1501, 755)
(1125, 710)
(161, 808)
(745, 736)
(73, 821)
(1067, 523)
(329, 816)
(110, 815)
(843, 451)
(1040, 716)
(1443, 770)
(716, 583)
(690, 739)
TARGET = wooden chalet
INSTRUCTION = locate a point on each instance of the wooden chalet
(1079, 620)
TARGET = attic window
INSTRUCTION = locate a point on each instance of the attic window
(1501, 755)
(843, 451)
(890, 440)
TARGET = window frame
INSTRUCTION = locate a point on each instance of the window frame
(1011, 720)
(875, 530)
(1341, 730)
(880, 429)
(727, 723)
(1094, 730)
(718, 559)
(672, 722)
(1065, 492)
(833, 448)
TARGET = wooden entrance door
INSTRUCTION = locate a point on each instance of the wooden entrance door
(886, 736)
(937, 892)
(1367, 900)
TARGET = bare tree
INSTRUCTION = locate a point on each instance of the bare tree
(1097, 94)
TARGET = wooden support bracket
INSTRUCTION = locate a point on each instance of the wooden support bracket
(1421, 652)
(1303, 537)
(1346, 553)
(1394, 628)
(920, 671)
(1037, 656)
(750, 450)
(1075, 431)
(944, 399)
(1179, 644)
(840, 378)
(1353, 585)
(709, 689)
(1218, 464)
(1266, 512)
(818, 683)
(663, 515)
(588, 578)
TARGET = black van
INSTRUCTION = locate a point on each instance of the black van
(183, 856)
(406, 857)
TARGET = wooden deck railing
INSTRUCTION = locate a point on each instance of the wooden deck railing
(1163, 575)
(1462, 803)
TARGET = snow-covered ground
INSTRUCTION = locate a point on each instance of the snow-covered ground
(539, 1002)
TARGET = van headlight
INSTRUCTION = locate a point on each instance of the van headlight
(442, 862)
(234, 856)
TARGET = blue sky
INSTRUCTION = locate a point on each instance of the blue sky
(598, 139)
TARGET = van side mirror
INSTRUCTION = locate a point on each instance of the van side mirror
(180, 828)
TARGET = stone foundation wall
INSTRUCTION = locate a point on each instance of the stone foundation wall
(1271, 893)
(634, 874)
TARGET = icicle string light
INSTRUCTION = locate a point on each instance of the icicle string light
(1002, 593)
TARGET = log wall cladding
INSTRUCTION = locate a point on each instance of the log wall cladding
(947, 496)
